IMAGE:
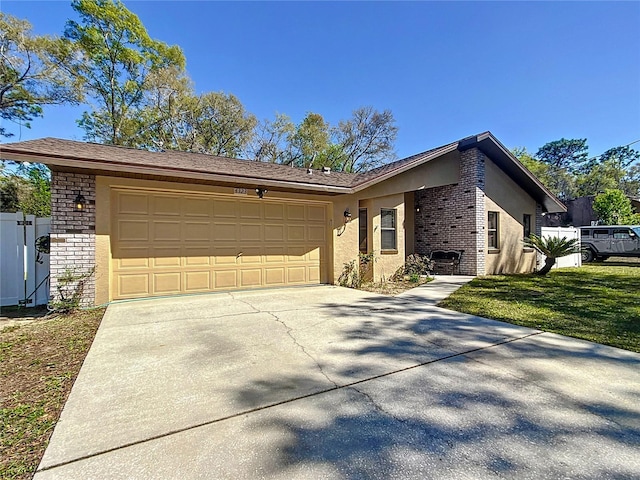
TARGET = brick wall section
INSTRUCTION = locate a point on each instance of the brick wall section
(453, 217)
(72, 232)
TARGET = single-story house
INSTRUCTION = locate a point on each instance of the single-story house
(167, 223)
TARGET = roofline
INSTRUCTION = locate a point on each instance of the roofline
(483, 141)
(104, 166)
(404, 167)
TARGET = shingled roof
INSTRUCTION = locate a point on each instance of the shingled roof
(72, 155)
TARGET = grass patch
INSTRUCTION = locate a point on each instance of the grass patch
(595, 302)
(38, 364)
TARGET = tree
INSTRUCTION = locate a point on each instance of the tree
(564, 153)
(613, 207)
(111, 56)
(29, 79)
(367, 139)
(218, 124)
(309, 140)
(552, 248)
(26, 189)
(271, 142)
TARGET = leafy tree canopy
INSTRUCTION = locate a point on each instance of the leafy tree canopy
(111, 57)
(29, 78)
(613, 207)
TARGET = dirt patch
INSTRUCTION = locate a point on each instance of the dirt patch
(393, 288)
(38, 364)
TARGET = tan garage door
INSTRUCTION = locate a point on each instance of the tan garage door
(164, 244)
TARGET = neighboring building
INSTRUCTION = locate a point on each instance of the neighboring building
(165, 223)
(580, 213)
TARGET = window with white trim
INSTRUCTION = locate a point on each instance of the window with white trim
(388, 229)
(493, 232)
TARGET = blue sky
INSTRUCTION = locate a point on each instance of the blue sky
(531, 72)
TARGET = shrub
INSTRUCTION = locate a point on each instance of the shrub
(415, 264)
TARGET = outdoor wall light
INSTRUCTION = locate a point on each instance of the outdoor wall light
(260, 192)
(80, 202)
(347, 216)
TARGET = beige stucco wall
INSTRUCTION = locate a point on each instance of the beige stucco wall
(396, 192)
(512, 202)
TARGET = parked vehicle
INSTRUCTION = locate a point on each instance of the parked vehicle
(603, 241)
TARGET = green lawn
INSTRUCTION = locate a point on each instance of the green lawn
(600, 303)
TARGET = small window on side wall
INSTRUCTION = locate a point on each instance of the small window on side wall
(526, 225)
(493, 231)
(388, 230)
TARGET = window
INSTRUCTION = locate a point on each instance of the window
(621, 234)
(388, 229)
(492, 230)
(601, 234)
(362, 230)
(526, 225)
(586, 233)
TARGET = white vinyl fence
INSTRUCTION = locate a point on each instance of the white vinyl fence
(573, 260)
(24, 271)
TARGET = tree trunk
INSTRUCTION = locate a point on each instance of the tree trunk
(548, 263)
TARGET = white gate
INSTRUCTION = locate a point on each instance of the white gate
(573, 260)
(24, 273)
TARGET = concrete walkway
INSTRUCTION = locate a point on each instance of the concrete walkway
(327, 382)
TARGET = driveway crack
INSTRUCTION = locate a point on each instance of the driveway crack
(379, 407)
(289, 331)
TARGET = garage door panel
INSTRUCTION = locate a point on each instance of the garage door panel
(274, 233)
(133, 231)
(166, 243)
(251, 210)
(274, 276)
(225, 256)
(166, 231)
(251, 277)
(197, 257)
(197, 231)
(225, 208)
(250, 232)
(295, 213)
(132, 285)
(295, 233)
(317, 233)
(132, 204)
(274, 211)
(274, 254)
(296, 274)
(162, 257)
(166, 283)
(296, 254)
(250, 256)
(225, 232)
(316, 213)
(165, 205)
(314, 274)
(225, 279)
(197, 207)
(197, 281)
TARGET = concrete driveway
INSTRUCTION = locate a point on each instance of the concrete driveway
(327, 382)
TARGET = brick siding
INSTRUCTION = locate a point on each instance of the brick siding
(72, 232)
(453, 217)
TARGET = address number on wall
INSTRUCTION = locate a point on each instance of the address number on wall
(239, 191)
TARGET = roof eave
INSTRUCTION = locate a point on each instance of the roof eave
(495, 150)
(109, 167)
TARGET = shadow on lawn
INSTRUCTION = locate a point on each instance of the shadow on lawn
(493, 412)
